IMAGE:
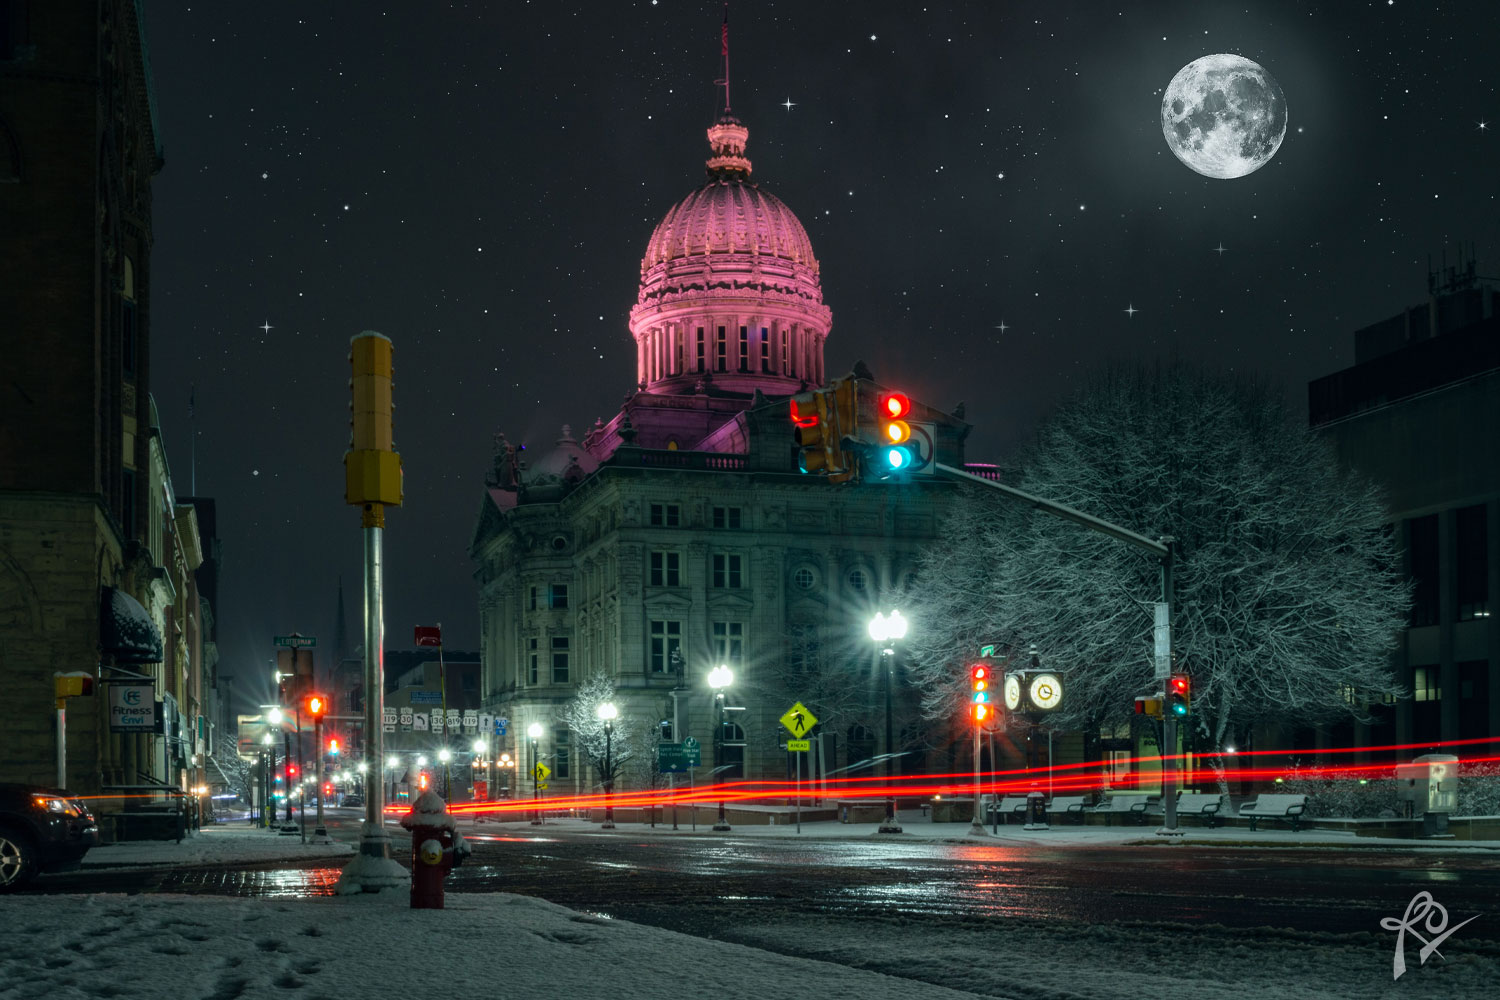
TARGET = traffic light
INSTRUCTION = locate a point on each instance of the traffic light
(893, 452)
(979, 684)
(333, 748)
(1179, 695)
(327, 788)
(811, 431)
(291, 772)
(1148, 706)
(315, 705)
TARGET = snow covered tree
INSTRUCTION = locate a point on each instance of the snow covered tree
(581, 716)
(1287, 584)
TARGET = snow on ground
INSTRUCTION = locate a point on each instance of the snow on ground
(374, 945)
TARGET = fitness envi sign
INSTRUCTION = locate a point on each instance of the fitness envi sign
(132, 708)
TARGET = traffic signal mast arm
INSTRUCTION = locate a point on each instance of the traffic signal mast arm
(1162, 549)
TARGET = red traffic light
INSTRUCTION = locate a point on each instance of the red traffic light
(894, 405)
(807, 414)
(315, 705)
(291, 770)
(333, 746)
(1180, 684)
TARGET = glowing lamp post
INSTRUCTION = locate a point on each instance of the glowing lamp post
(887, 631)
(719, 678)
(609, 713)
(535, 732)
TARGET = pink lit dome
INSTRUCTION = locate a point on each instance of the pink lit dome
(730, 294)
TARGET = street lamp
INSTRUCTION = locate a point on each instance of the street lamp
(886, 632)
(535, 732)
(609, 713)
(719, 678)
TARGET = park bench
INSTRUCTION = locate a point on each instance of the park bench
(1069, 805)
(1204, 805)
(1123, 805)
(1275, 807)
(1010, 805)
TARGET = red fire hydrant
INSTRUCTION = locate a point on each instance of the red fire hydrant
(436, 847)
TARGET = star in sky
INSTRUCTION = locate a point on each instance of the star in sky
(1130, 310)
(1220, 248)
(1482, 126)
(266, 326)
(1002, 327)
(789, 104)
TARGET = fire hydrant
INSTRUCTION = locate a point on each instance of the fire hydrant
(436, 847)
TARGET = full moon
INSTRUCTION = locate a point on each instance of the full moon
(1224, 115)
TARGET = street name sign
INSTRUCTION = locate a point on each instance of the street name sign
(296, 641)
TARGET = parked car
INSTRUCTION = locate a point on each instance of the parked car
(354, 800)
(41, 830)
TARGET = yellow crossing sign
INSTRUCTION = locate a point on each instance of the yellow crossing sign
(542, 772)
(798, 720)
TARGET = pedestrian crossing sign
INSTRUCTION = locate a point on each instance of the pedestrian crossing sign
(798, 720)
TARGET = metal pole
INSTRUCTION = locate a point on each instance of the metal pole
(286, 772)
(994, 784)
(723, 823)
(1169, 722)
(609, 778)
(798, 755)
(319, 830)
(374, 841)
(890, 825)
(301, 779)
(976, 825)
(536, 792)
(62, 743)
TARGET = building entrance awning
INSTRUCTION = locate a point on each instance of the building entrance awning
(126, 631)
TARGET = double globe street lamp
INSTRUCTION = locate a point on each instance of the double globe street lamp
(887, 631)
(608, 713)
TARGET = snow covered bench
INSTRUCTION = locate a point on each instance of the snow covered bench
(1069, 805)
(1010, 805)
(1275, 807)
(1201, 804)
(1123, 805)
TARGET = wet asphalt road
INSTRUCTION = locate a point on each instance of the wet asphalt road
(709, 884)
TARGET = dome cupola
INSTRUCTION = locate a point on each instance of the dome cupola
(729, 293)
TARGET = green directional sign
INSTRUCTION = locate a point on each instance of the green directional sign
(675, 758)
(296, 641)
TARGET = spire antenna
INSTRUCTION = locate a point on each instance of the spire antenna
(724, 50)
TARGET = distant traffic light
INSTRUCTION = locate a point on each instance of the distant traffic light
(291, 771)
(979, 696)
(1179, 695)
(333, 748)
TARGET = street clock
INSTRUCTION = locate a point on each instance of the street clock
(1012, 692)
(1044, 691)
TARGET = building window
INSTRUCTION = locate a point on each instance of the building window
(719, 349)
(666, 515)
(532, 655)
(562, 746)
(803, 650)
(857, 580)
(1473, 699)
(559, 659)
(729, 643)
(1422, 561)
(1473, 564)
(677, 351)
(1424, 684)
(557, 597)
(786, 353)
(127, 501)
(666, 637)
(530, 598)
(744, 348)
(765, 349)
(727, 517)
(804, 578)
(727, 575)
(666, 569)
(702, 364)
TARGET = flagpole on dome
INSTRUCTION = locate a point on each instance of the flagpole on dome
(724, 51)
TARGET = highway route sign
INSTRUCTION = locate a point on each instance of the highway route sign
(798, 720)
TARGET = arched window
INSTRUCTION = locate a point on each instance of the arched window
(731, 762)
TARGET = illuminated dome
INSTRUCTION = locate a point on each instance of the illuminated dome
(730, 294)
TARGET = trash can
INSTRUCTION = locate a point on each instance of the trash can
(1036, 812)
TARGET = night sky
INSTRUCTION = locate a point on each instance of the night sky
(986, 186)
